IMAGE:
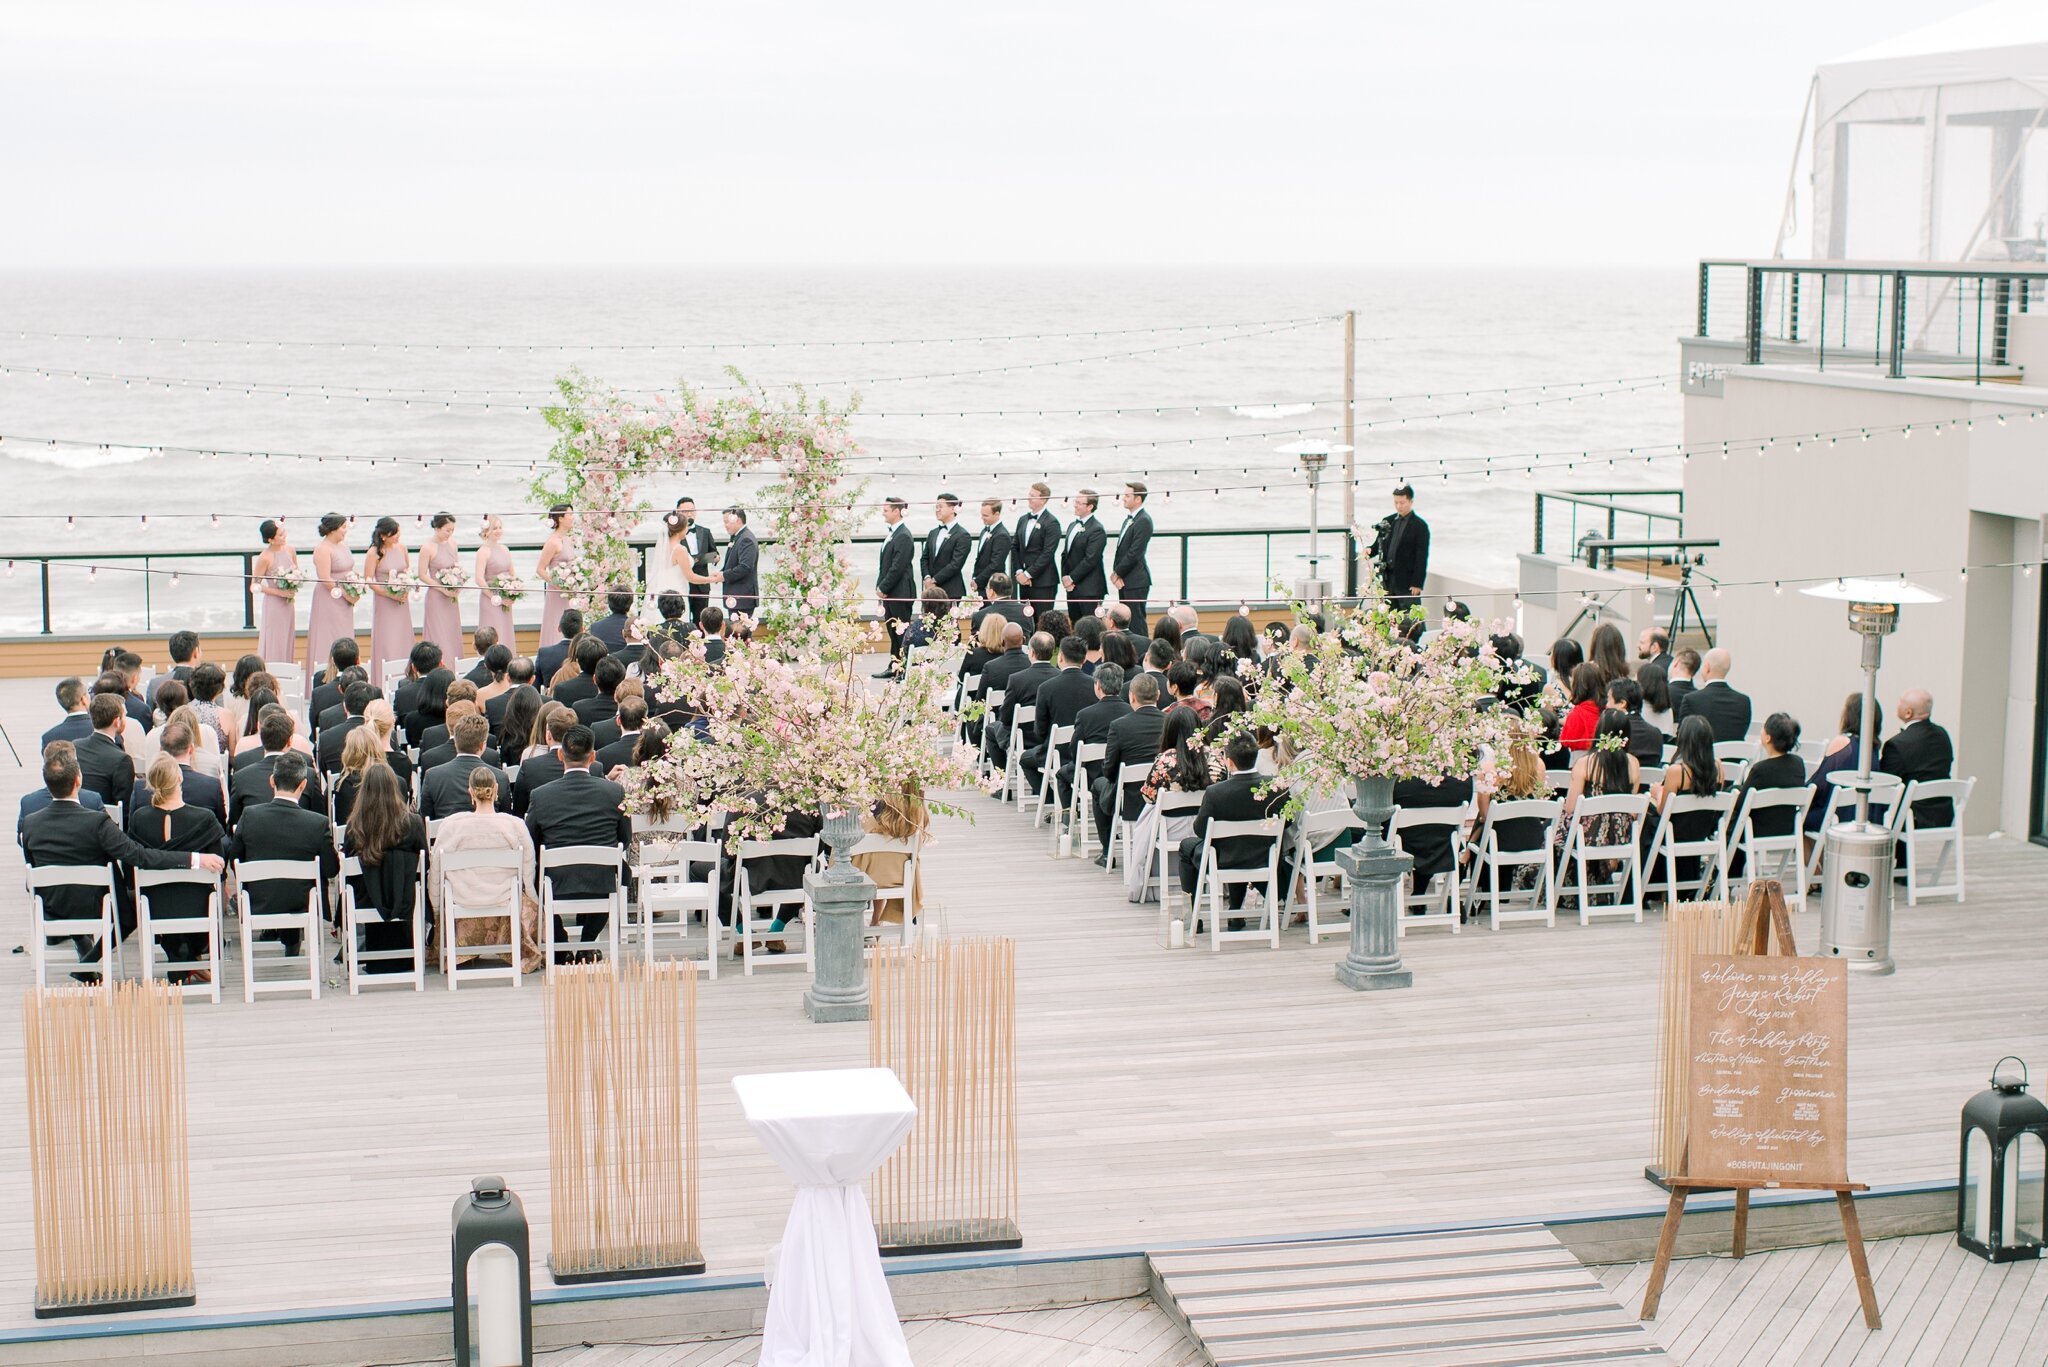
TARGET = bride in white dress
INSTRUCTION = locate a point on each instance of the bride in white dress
(666, 564)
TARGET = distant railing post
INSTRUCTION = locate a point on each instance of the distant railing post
(1350, 563)
(1706, 280)
(1821, 333)
(1753, 317)
(1794, 300)
(1539, 493)
(1896, 367)
(248, 599)
(1185, 596)
(148, 619)
(46, 597)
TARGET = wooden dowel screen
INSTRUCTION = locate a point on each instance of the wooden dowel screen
(107, 1146)
(1690, 928)
(622, 1119)
(943, 1015)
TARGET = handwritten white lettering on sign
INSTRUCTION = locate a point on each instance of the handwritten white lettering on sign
(1769, 1052)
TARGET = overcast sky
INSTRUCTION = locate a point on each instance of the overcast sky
(900, 131)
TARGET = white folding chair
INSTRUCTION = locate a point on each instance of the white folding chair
(98, 927)
(1081, 811)
(611, 906)
(1711, 849)
(1921, 841)
(1128, 776)
(1736, 756)
(1841, 808)
(669, 885)
(1316, 857)
(1049, 782)
(465, 667)
(1769, 856)
(290, 676)
(304, 919)
(1437, 904)
(910, 929)
(1810, 753)
(355, 917)
(969, 685)
(1558, 780)
(1580, 853)
(991, 718)
(1164, 854)
(755, 912)
(149, 927)
(1211, 880)
(1512, 904)
(455, 911)
(393, 674)
(1021, 718)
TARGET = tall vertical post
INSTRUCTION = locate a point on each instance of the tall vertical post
(1350, 446)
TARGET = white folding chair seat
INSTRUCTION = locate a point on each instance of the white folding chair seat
(1711, 849)
(1021, 719)
(1492, 865)
(754, 913)
(455, 911)
(149, 926)
(612, 905)
(1128, 775)
(671, 892)
(1080, 812)
(355, 918)
(1437, 904)
(1316, 858)
(1625, 886)
(304, 919)
(1935, 842)
(1049, 782)
(1163, 857)
(98, 926)
(910, 929)
(1781, 857)
(1210, 881)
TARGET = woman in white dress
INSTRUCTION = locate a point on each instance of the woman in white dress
(668, 564)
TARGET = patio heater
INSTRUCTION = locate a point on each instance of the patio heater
(1314, 455)
(1856, 856)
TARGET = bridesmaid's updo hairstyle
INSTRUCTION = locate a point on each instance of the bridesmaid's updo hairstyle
(268, 530)
(387, 530)
(556, 514)
(440, 520)
(332, 523)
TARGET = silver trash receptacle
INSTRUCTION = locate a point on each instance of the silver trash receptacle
(1856, 896)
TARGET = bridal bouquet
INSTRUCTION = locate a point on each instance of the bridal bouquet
(505, 589)
(350, 588)
(451, 578)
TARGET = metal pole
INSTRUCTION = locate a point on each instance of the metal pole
(1315, 475)
(1873, 650)
(1350, 394)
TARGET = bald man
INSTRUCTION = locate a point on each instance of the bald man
(1921, 750)
(1724, 709)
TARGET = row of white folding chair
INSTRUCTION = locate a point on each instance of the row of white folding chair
(1778, 856)
(1580, 853)
(98, 928)
(1490, 861)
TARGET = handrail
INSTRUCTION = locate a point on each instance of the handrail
(1603, 502)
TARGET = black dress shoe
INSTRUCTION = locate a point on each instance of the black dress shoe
(89, 976)
(883, 674)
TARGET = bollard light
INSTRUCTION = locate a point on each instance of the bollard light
(2001, 1194)
(490, 1230)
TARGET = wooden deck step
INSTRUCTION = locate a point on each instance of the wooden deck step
(1489, 1298)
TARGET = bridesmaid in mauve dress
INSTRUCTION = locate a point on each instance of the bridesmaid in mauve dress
(276, 637)
(492, 562)
(390, 616)
(563, 519)
(442, 620)
(332, 616)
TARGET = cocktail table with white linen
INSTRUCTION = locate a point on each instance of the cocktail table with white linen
(829, 1304)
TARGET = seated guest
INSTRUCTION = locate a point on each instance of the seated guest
(199, 790)
(934, 619)
(1020, 690)
(899, 816)
(1566, 655)
(128, 665)
(1524, 781)
(1521, 679)
(484, 824)
(1092, 728)
(1920, 750)
(104, 762)
(1000, 602)
(247, 667)
(1160, 657)
(498, 680)
(1236, 798)
(1841, 755)
(338, 713)
(185, 654)
(1680, 672)
(1608, 650)
(1778, 767)
(445, 751)
(1118, 650)
(1120, 625)
(77, 724)
(996, 674)
(590, 654)
(1133, 739)
(1589, 685)
(251, 783)
(1226, 698)
(429, 699)
(388, 841)
(361, 754)
(771, 873)
(604, 704)
(36, 799)
(67, 833)
(673, 607)
(1429, 846)
(1725, 710)
(988, 644)
(209, 681)
(1693, 772)
(1060, 700)
(552, 658)
(166, 696)
(1240, 642)
(712, 623)
(617, 753)
(515, 723)
(1183, 684)
(578, 808)
(445, 788)
(1054, 623)
(1656, 689)
(1091, 631)
(166, 821)
(542, 763)
(1186, 763)
(611, 628)
(606, 729)
(377, 720)
(650, 745)
(342, 653)
(332, 738)
(1165, 631)
(1604, 769)
(422, 664)
(460, 693)
(1645, 741)
(284, 828)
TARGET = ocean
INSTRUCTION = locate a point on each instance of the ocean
(973, 381)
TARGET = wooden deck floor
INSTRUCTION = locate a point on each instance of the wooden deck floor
(1163, 1096)
(1797, 1307)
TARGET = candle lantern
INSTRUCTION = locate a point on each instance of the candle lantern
(2001, 1198)
(490, 1230)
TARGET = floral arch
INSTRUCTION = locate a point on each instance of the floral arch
(606, 446)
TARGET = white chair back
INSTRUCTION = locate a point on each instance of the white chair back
(98, 926)
(1624, 886)
(356, 917)
(557, 906)
(1315, 859)
(393, 674)
(1511, 904)
(1710, 849)
(303, 920)
(454, 911)
(1777, 856)
(1437, 904)
(1938, 842)
(755, 912)
(1212, 879)
(1128, 776)
(899, 891)
(149, 926)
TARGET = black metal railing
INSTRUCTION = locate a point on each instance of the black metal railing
(1947, 320)
(1566, 518)
(80, 592)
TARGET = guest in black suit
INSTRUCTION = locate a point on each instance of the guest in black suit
(185, 654)
(36, 799)
(67, 833)
(1133, 739)
(1081, 573)
(1022, 689)
(332, 738)
(999, 601)
(992, 548)
(77, 723)
(1236, 798)
(997, 673)
(1430, 846)
(101, 758)
(579, 809)
(1400, 549)
(333, 714)
(550, 659)
(590, 655)
(1060, 701)
(896, 578)
(738, 578)
(165, 820)
(127, 667)
(421, 662)
(197, 790)
(602, 705)
(1921, 750)
(1653, 647)
(1034, 552)
(541, 767)
(1091, 727)
(1120, 623)
(483, 640)
(611, 628)
(618, 751)
(1679, 677)
(946, 547)
(1720, 706)
(255, 783)
(342, 654)
(1128, 570)
(444, 789)
(388, 841)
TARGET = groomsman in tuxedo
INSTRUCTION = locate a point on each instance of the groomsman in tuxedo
(991, 546)
(896, 580)
(739, 577)
(1128, 570)
(1033, 551)
(1081, 560)
(946, 548)
(702, 545)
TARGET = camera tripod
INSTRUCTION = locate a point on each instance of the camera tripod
(1685, 599)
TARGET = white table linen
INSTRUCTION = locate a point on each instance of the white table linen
(829, 1303)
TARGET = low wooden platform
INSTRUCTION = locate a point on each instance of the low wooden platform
(1164, 1096)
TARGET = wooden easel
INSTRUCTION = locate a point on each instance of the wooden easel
(1764, 920)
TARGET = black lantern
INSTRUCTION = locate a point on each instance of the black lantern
(2001, 1197)
(490, 1225)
